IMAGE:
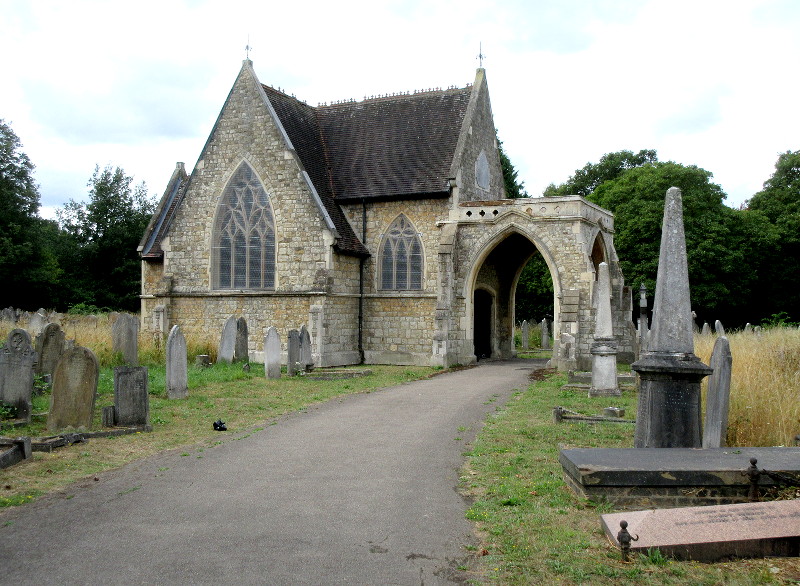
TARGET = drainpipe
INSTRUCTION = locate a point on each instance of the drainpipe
(361, 283)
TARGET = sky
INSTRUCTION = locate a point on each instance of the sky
(138, 85)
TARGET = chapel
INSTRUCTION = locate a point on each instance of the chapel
(380, 224)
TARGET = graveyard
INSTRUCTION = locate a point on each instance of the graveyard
(532, 527)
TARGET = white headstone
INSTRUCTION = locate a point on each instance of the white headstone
(272, 353)
(227, 342)
(177, 367)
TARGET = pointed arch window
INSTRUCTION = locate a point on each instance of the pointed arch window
(243, 246)
(401, 257)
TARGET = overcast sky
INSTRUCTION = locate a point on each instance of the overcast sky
(712, 83)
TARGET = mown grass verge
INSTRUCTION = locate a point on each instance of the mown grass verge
(244, 400)
(535, 531)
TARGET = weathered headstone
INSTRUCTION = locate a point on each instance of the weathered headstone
(177, 367)
(718, 395)
(604, 346)
(669, 409)
(272, 353)
(526, 334)
(711, 533)
(160, 320)
(74, 390)
(125, 338)
(49, 346)
(227, 342)
(131, 401)
(706, 331)
(748, 329)
(757, 330)
(306, 356)
(17, 358)
(240, 352)
(293, 353)
(37, 322)
(545, 335)
(718, 329)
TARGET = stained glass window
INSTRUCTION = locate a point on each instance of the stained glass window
(244, 235)
(401, 257)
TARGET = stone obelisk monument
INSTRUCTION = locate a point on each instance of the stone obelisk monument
(669, 413)
(604, 346)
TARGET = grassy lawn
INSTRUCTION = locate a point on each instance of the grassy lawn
(244, 400)
(535, 531)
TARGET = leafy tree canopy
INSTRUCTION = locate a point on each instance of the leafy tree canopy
(514, 188)
(105, 231)
(610, 166)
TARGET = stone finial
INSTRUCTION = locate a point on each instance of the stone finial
(672, 310)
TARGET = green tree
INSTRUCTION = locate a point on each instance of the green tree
(717, 237)
(610, 166)
(779, 202)
(104, 233)
(514, 188)
(28, 270)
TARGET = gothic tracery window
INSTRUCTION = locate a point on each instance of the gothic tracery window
(244, 235)
(401, 257)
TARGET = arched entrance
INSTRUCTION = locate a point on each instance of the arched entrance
(494, 289)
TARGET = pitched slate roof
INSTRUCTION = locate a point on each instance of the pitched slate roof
(391, 147)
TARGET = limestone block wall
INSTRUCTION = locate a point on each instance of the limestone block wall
(399, 329)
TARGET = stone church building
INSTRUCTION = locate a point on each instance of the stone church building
(381, 224)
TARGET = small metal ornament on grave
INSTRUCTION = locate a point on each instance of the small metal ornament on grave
(625, 538)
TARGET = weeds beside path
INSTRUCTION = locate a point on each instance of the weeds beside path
(535, 531)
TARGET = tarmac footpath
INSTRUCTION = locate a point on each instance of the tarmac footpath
(358, 490)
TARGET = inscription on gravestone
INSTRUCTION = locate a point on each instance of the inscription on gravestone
(177, 365)
(125, 338)
(714, 532)
(74, 390)
(131, 401)
(240, 352)
(272, 353)
(17, 359)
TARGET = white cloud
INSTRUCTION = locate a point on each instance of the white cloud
(709, 83)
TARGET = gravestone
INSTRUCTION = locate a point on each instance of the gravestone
(526, 334)
(706, 331)
(715, 532)
(240, 353)
(37, 322)
(748, 329)
(160, 321)
(669, 409)
(125, 338)
(49, 346)
(17, 359)
(177, 367)
(293, 353)
(718, 395)
(227, 342)
(757, 330)
(545, 335)
(718, 329)
(272, 353)
(644, 326)
(604, 346)
(74, 390)
(131, 401)
(306, 356)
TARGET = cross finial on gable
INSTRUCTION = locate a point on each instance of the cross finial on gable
(247, 48)
(480, 56)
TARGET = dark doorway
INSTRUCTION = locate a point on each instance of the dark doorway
(482, 319)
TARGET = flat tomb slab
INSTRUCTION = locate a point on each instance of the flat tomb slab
(671, 477)
(715, 532)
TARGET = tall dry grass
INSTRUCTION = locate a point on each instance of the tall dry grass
(765, 385)
(94, 332)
